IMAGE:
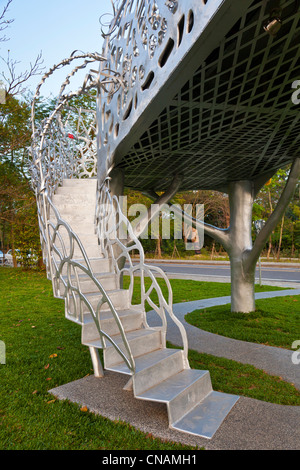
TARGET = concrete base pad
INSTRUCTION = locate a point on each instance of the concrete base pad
(251, 424)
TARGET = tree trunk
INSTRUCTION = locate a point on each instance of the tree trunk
(158, 247)
(212, 251)
(269, 248)
(280, 239)
(240, 235)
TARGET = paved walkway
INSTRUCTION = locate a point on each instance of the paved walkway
(251, 424)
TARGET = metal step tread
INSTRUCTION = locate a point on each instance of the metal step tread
(82, 197)
(79, 206)
(91, 259)
(130, 336)
(145, 361)
(107, 315)
(170, 388)
(206, 417)
(87, 276)
(76, 189)
(108, 292)
(74, 181)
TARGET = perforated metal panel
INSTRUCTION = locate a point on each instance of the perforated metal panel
(231, 117)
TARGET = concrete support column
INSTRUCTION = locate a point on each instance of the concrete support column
(240, 243)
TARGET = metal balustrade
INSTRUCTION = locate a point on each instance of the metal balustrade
(118, 242)
(60, 151)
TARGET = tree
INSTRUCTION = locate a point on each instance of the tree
(15, 132)
(15, 82)
(18, 217)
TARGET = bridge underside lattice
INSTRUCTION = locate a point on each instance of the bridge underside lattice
(234, 118)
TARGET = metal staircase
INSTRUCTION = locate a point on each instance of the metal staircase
(86, 258)
(120, 328)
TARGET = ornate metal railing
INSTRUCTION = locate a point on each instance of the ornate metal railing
(64, 146)
(118, 242)
(66, 271)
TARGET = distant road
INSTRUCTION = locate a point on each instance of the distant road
(268, 273)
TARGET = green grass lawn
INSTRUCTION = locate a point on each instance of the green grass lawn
(43, 351)
(274, 323)
(187, 290)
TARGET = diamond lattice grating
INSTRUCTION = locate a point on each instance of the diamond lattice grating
(234, 118)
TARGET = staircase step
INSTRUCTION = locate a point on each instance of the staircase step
(67, 208)
(130, 319)
(181, 392)
(205, 418)
(118, 297)
(87, 239)
(91, 250)
(80, 182)
(81, 198)
(98, 265)
(82, 188)
(164, 356)
(140, 341)
(87, 285)
(80, 225)
(74, 217)
(77, 189)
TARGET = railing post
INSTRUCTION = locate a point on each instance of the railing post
(96, 361)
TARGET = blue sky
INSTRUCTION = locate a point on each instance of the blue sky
(56, 28)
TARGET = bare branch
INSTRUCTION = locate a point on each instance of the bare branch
(3, 22)
(15, 81)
